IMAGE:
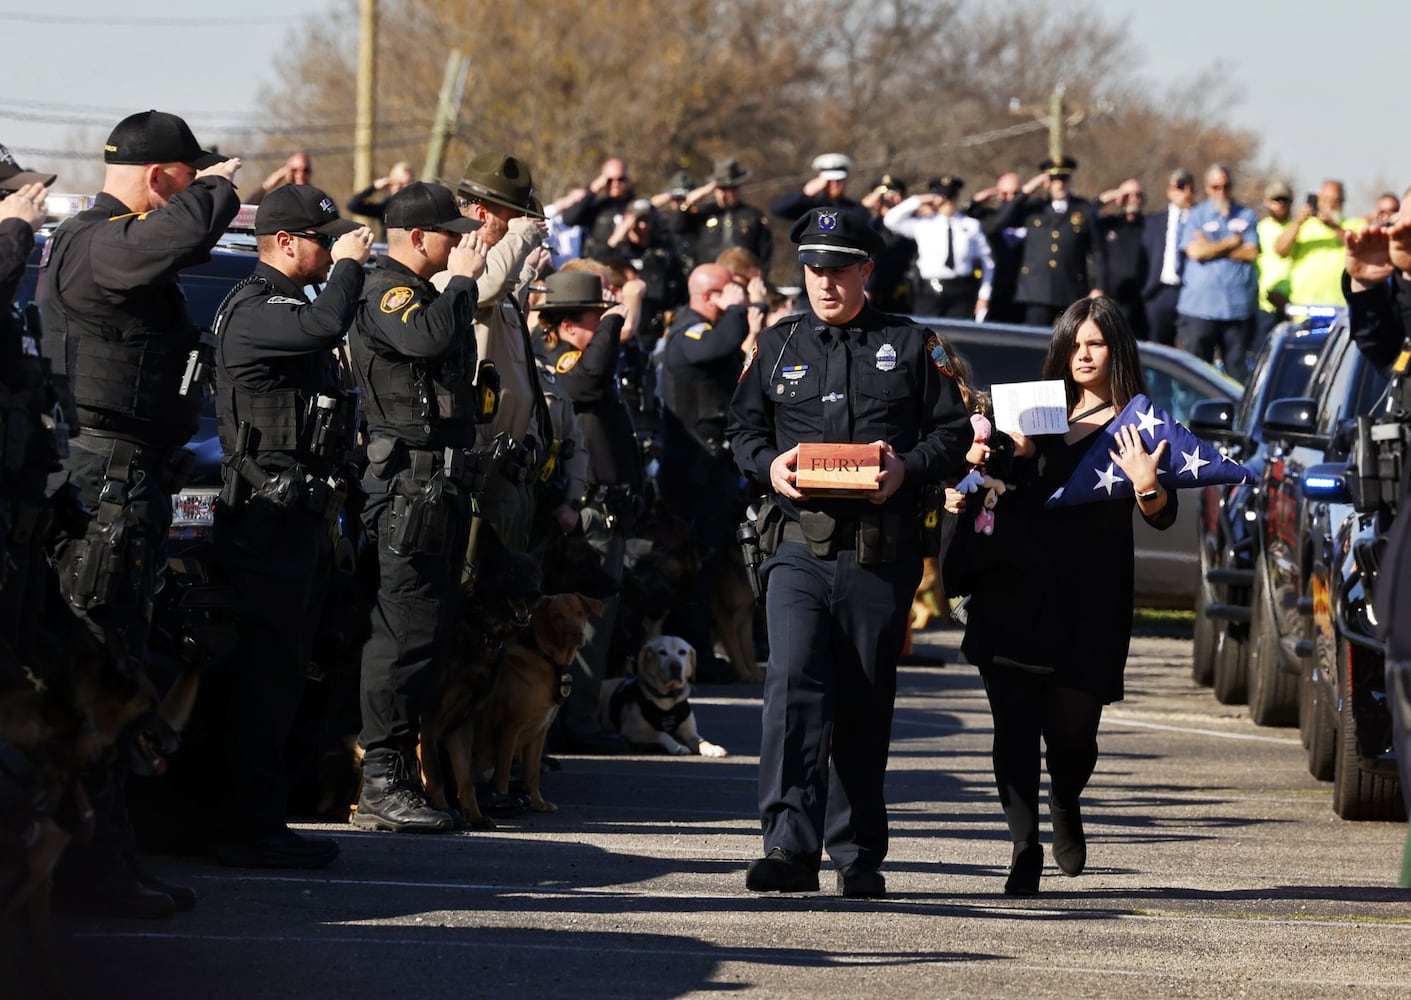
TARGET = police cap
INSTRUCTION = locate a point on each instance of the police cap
(294, 208)
(832, 237)
(1061, 167)
(426, 206)
(833, 166)
(157, 137)
(13, 176)
(947, 186)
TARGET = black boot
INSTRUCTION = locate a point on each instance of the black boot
(1070, 846)
(1025, 868)
(183, 897)
(392, 798)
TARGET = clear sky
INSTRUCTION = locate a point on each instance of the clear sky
(1314, 79)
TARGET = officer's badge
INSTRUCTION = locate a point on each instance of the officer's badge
(397, 298)
(827, 221)
(886, 358)
(283, 300)
(939, 357)
(749, 359)
(712, 222)
(794, 372)
(566, 361)
(1076, 220)
(696, 331)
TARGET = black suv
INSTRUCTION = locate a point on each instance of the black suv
(1227, 533)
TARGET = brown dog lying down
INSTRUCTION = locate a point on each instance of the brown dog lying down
(51, 732)
(530, 683)
(650, 707)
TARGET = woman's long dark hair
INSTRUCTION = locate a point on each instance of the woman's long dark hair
(1124, 365)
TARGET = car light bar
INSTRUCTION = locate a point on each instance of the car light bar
(1313, 312)
(1327, 486)
(61, 206)
(244, 221)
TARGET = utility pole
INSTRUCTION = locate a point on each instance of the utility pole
(1059, 121)
(447, 112)
(1055, 124)
(366, 126)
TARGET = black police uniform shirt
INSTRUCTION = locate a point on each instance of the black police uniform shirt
(588, 378)
(1125, 254)
(1064, 256)
(598, 216)
(701, 365)
(404, 325)
(794, 205)
(885, 378)
(115, 319)
(271, 338)
(23, 381)
(713, 228)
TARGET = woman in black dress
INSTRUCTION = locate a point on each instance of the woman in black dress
(1051, 619)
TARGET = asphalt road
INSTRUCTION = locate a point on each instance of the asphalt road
(1216, 868)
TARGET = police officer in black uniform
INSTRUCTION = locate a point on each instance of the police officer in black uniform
(414, 361)
(116, 323)
(701, 364)
(842, 572)
(725, 221)
(287, 427)
(1064, 255)
(31, 441)
(581, 344)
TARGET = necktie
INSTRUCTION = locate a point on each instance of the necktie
(950, 246)
(837, 407)
(1169, 273)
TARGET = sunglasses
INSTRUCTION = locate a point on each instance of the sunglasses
(322, 239)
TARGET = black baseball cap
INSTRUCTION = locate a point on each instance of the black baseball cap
(832, 237)
(13, 176)
(157, 137)
(294, 208)
(426, 206)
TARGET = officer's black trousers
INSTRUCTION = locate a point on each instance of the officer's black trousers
(1028, 707)
(418, 601)
(278, 563)
(1393, 604)
(835, 632)
(592, 666)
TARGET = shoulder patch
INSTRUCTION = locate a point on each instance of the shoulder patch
(396, 298)
(283, 300)
(749, 359)
(696, 331)
(939, 357)
(566, 361)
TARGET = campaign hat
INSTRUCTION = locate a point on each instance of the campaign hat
(572, 291)
(294, 208)
(833, 237)
(504, 180)
(426, 206)
(157, 137)
(728, 173)
(681, 184)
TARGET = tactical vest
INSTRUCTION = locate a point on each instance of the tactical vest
(425, 404)
(304, 426)
(35, 410)
(125, 365)
(696, 395)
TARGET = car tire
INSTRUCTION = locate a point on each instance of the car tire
(1272, 690)
(1205, 634)
(1316, 726)
(1231, 675)
(1358, 794)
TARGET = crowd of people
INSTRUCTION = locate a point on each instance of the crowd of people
(524, 372)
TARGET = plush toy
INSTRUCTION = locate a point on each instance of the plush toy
(978, 478)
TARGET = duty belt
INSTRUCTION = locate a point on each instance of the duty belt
(171, 467)
(461, 467)
(844, 534)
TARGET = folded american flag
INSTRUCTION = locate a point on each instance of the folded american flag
(1188, 461)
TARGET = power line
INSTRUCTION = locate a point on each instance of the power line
(69, 154)
(126, 22)
(107, 121)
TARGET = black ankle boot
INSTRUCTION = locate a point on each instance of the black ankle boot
(392, 798)
(1024, 870)
(1070, 846)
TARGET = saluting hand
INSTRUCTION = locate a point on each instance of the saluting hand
(890, 476)
(27, 204)
(225, 168)
(356, 245)
(467, 258)
(783, 473)
(1368, 256)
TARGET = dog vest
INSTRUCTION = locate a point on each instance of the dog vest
(664, 720)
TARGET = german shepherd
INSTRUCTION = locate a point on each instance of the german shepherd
(52, 730)
(528, 688)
